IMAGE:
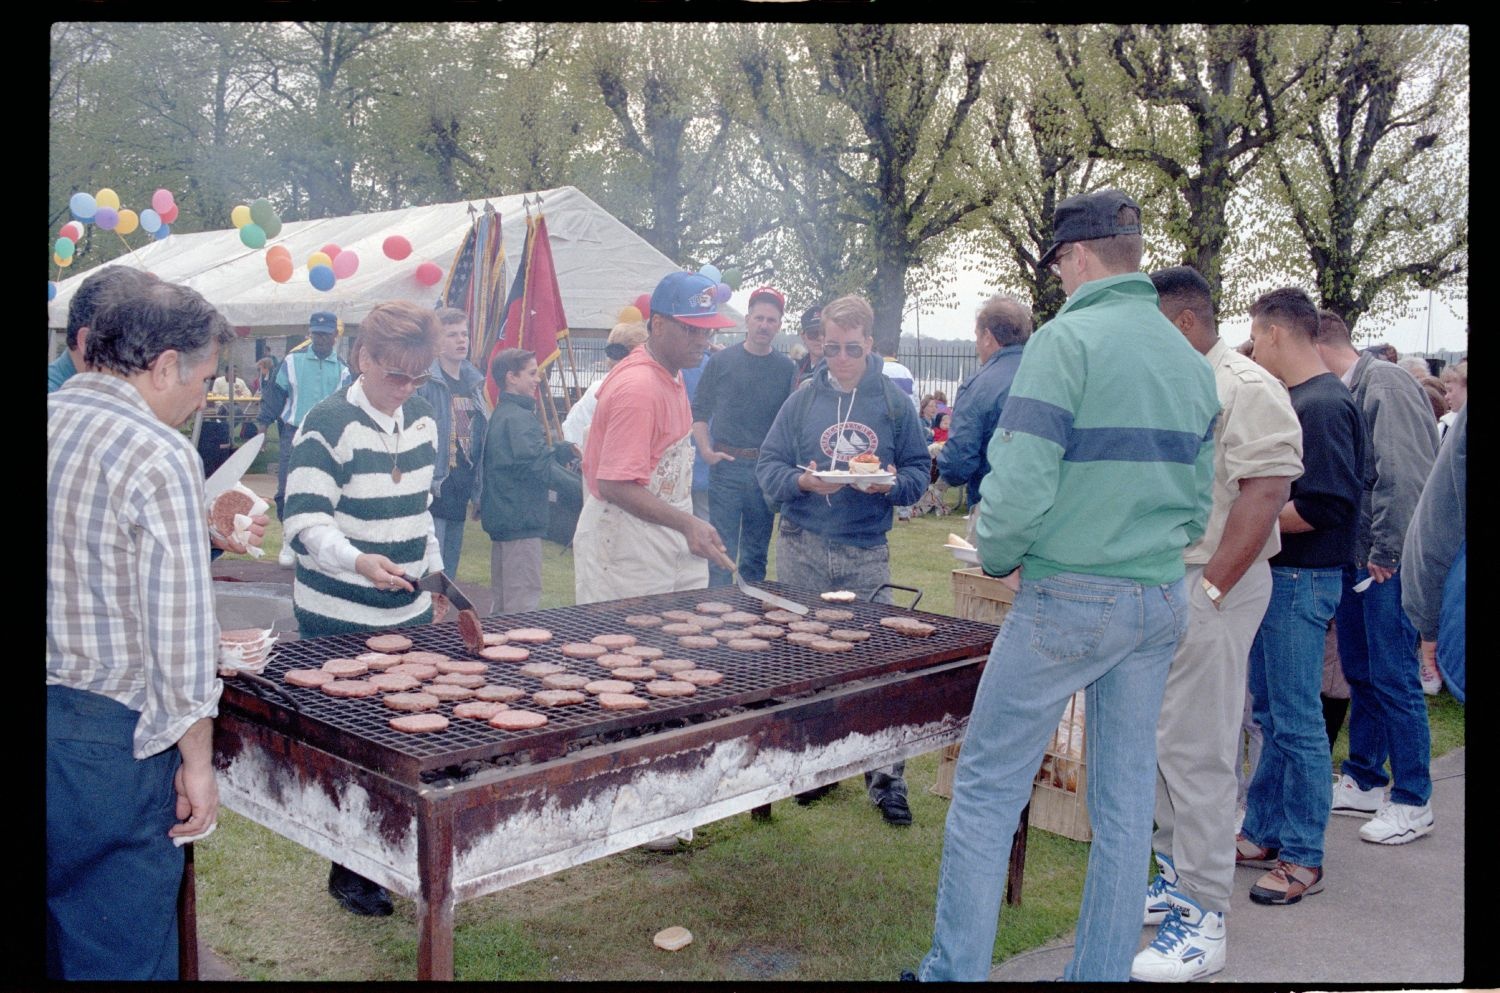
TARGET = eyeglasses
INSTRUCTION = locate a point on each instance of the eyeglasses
(1056, 265)
(401, 379)
(853, 349)
(690, 329)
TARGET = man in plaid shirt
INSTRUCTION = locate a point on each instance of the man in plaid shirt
(131, 634)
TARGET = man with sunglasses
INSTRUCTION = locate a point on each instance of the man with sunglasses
(833, 534)
(737, 398)
(637, 534)
(306, 379)
(1101, 474)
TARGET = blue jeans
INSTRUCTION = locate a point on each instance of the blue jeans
(738, 511)
(285, 434)
(1387, 709)
(1066, 632)
(112, 872)
(450, 536)
(1292, 791)
(1450, 644)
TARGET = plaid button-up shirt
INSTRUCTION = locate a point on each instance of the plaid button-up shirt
(130, 605)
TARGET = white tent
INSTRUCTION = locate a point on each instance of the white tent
(602, 265)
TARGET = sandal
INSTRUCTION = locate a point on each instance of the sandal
(1287, 883)
(1247, 852)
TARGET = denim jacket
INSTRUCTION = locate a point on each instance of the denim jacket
(435, 392)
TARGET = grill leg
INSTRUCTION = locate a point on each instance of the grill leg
(1017, 859)
(761, 813)
(435, 901)
(187, 920)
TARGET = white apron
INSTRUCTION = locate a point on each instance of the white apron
(618, 555)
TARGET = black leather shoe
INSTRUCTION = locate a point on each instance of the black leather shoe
(909, 977)
(357, 894)
(894, 809)
(815, 794)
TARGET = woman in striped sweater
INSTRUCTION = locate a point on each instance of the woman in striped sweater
(357, 507)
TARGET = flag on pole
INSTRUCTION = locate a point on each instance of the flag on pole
(534, 318)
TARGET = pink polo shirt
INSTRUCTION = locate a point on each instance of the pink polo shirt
(643, 410)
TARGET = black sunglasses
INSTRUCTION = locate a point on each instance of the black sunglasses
(401, 378)
(853, 349)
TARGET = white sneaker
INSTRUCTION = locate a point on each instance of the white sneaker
(1398, 823)
(1188, 946)
(1158, 894)
(287, 558)
(1350, 800)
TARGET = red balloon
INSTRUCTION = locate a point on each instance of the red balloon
(643, 304)
(168, 216)
(73, 231)
(396, 247)
(331, 250)
(429, 273)
(242, 331)
(279, 251)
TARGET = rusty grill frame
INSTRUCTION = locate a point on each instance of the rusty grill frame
(358, 728)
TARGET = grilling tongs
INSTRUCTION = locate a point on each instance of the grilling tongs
(468, 618)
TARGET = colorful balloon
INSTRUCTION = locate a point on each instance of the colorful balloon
(169, 215)
(322, 278)
(261, 212)
(722, 293)
(71, 230)
(105, 218)
(60, 261)
(63, 248)
(712, 273)
(272, 225)
(162, 232)
(253, 236)
(51, 291)
(643, 304)
(151, 220)
(279, 268)
(396, 247)
(630, 315)
(279, 251)
(319, 258)
(129, 221)
(107, 198)
(240, 216)
(428, 273)
(83, 206)
(331, 250)
(345, 264)
(162, 201)
(733, 277)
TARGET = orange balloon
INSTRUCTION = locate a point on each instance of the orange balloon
(279, 268)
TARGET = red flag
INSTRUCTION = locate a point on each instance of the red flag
(534, 318)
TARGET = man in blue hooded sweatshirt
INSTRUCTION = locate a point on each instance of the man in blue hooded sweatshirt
(832, 535)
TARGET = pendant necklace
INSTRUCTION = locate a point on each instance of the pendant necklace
(395, 469)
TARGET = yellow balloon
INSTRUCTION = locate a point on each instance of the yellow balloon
(129, 221)
(107, 198)
(64, 262)
(631, 315)
(319, 258)
(240, 216)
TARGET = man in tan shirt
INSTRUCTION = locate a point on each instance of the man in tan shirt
(1257, 454)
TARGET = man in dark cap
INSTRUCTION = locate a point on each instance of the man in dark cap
(1101, 475)
(811, 333)
(306, 378)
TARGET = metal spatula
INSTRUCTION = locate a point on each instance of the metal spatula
(771, 599)
(468, 618)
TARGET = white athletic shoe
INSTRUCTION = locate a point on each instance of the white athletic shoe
(1398, 823)
(287, 558)
(1189, 945)
(1352, 801)
(1159, 893)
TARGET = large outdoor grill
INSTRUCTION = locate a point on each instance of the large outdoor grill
(470, 810)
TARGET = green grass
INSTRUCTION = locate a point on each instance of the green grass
(825, 892)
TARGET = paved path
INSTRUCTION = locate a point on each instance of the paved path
(1389, 914)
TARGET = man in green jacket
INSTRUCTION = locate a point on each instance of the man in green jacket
(519, 468)
(1101, 474)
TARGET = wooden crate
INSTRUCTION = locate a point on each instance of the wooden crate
(978, 598)
(1054, 806)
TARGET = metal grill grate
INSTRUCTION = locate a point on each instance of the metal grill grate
(359, 729)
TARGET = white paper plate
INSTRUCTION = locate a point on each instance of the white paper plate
(969, 555)
(845, 476)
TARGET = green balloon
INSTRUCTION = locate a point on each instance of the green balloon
(253, 236)
(272, 225)
(261, 212)
(733, 278)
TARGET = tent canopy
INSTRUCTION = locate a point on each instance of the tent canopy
(602, 266)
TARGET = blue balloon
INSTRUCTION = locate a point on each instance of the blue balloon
(712, 273)
(83, 206)
(51, 291)
(150, 220)
(162, 232)
(322, 278)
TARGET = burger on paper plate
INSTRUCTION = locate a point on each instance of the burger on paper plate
(868, 462)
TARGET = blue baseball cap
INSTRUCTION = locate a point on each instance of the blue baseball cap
(323, 322)
(688, 297)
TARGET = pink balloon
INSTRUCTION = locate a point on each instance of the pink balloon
(396, 247)
(162, 201)
(331, 250)
(344, 264)
(169, 215)
(429, 273)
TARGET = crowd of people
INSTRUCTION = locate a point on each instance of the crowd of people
(1191, 532)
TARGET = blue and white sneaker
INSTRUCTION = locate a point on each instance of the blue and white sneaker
(1189, 945)
(1158, 901)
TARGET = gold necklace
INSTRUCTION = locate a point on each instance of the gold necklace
(395, 469)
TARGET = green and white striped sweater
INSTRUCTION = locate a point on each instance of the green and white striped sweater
(341, 475)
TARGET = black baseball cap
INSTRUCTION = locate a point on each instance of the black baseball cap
(812, 320)
(1088, 216)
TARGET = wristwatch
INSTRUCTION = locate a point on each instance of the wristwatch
(1215, 595)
